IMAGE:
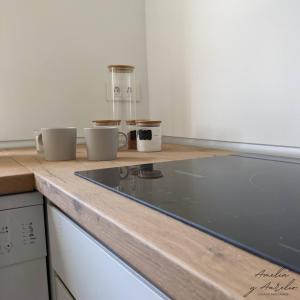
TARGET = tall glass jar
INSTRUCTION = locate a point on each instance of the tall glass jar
(121, 93)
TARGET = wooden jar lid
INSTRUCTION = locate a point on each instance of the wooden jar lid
(121, 68)
(147, 123)
(130, 122)
(134, 122)
(107, 122)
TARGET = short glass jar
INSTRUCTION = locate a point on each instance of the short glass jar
(148, 135)
(131, 134)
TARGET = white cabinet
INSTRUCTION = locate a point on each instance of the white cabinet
(61, 292)
(88, 269)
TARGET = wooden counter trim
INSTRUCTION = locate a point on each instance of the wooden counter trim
(173, 279)
(227, 274)
(14, 178)
(17, 184)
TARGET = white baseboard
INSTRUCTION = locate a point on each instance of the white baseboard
(283, 151)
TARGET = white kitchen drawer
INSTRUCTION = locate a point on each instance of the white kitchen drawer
(61, 292)
(88, 269)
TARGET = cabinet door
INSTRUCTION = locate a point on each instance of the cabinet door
(88, 269)
(61, 292)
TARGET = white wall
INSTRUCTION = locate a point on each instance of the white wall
(53, 58)
(225, 70)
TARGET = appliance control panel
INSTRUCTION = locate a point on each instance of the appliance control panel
(22, 235)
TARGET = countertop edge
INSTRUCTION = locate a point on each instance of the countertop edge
(165, 270)
(172, 275)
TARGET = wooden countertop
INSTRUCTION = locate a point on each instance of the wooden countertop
(14, 178)
(183, 262)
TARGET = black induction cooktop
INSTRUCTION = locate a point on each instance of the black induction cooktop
(250, 202)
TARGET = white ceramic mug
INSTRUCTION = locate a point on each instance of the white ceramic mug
(58, 143)
(103, 143)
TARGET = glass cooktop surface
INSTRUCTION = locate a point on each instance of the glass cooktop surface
(250, 202)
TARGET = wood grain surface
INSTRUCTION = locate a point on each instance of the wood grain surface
(183, 262)
(14, 178)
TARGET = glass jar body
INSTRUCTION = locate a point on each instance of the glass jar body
(131, 134)
(122, 93)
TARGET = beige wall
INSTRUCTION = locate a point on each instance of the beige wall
(53, 58)
(218, 70)
(225, 70)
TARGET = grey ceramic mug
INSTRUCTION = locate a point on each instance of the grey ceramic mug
(58, 143)
(102, 142)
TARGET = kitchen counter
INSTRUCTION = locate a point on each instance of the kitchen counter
(14, 178)
(183, 262)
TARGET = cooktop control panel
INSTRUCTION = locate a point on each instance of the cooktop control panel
(22, 235)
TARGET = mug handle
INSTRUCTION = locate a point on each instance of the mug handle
(125, 139)
(40, 143)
